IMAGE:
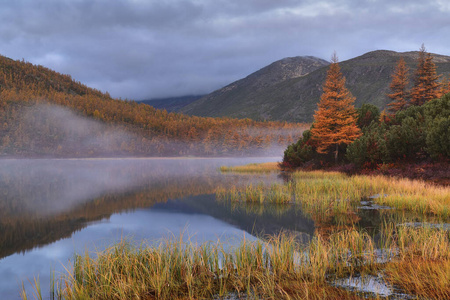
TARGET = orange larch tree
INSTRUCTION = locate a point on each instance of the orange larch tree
(426, 84)
(398, 87)
(335, 119)
(445, 86)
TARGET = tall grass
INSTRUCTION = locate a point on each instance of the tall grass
(260, 193)
(273, 269)
(280, 268)
(253, 168)
(325, 193)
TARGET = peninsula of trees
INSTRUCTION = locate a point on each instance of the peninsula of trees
(414, 129)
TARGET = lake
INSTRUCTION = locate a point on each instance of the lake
(51, 209)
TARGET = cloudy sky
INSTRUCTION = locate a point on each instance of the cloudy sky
(141, 49)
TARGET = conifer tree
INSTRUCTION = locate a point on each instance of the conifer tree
(398, 87)
(445, 86)
(335, 119)
(426, 85)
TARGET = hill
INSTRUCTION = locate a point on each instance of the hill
(45, 113)
(172, 103)
(237, 99)
(294, 98)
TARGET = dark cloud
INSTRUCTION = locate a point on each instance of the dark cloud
(155, 48)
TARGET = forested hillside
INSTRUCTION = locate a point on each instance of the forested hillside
(44, 113)
(172, 103)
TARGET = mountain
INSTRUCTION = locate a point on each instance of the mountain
(237, 98)
(45, 114)
(294, 97)
(171, 103)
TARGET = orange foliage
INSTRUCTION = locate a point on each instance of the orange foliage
(426, 85)
(335, 120)
(156, 132)
(398, 87)
(445, 86)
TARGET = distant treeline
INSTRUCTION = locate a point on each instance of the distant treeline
(145, 131)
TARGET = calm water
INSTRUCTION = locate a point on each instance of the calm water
(52, 209)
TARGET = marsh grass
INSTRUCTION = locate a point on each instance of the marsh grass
(326, 193)
(280, 267)
(252, 168)
(424, 278)
(277, 268)
(259, 193)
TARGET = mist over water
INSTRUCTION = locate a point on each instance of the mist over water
(45, 130)
(52, 207)
(66, 206)
(47, 186)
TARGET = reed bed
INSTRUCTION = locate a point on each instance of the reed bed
(327, 193)
(423, 278)
(406, 194)
(278, 268)
(260, 193)
(253, 168)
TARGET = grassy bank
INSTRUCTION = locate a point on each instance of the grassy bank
(324, 193)
(279, 268)
(253, 168)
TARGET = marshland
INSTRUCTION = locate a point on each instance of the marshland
(214, 228)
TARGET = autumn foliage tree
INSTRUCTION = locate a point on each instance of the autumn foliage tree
(426, 84)
(335, 119)
(445, 86)
(398, 86)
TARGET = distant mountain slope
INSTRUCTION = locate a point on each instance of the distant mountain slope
(44, 113)
(235, 98)
(172, 103)
(295, 99)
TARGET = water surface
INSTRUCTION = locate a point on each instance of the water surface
(52, 209)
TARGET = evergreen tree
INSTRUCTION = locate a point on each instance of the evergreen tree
(398, 87)
(335, 119)
(426, 85)
(445, 86)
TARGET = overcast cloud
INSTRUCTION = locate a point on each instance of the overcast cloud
(141, 49)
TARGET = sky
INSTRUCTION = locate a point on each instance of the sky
(144, 49)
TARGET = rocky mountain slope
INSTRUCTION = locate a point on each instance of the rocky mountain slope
(277, 92)
(237, 98)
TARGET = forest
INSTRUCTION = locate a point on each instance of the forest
(35, 102)
(413, 130)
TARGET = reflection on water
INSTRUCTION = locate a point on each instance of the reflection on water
(68, 206)
(51, 209)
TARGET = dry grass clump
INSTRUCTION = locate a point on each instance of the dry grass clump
(253, 168)
(260, 193)
(415, 259)
(406, 194)
(326, 193)
(424, 278)
(278, 269)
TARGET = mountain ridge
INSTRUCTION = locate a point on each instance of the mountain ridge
(272, 74)
(295, 99)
